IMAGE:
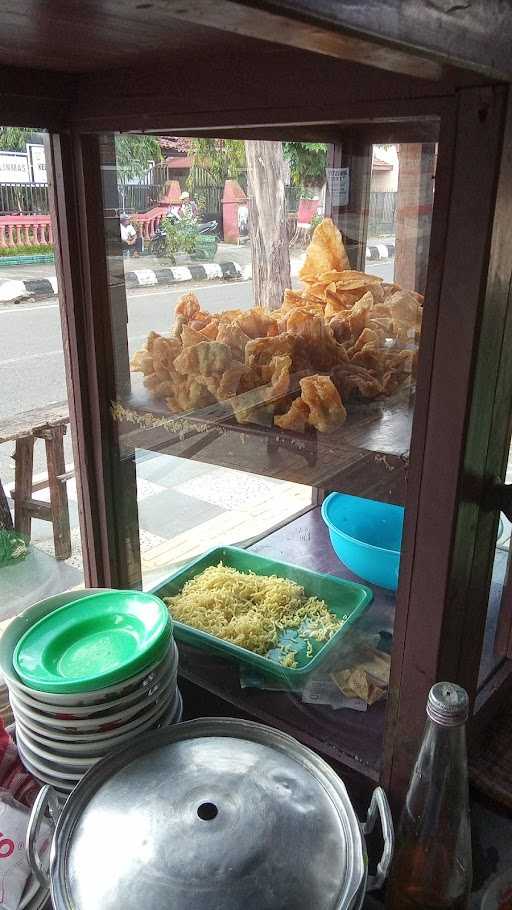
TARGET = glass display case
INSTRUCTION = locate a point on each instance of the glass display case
(341, 332)
(266, 331)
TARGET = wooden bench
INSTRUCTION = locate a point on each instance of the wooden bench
(48, 423)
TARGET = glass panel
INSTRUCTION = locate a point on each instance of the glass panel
(40, 551)
(268, 311)
(498, 627)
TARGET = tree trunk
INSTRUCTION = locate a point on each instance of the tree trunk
(267, 222)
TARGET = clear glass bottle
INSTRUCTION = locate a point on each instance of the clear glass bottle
(432, 868)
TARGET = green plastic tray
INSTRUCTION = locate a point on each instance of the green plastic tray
(344, 598)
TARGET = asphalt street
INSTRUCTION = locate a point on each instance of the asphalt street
(32, 363)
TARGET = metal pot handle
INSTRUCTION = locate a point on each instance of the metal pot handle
(380, 806)
(46, 798)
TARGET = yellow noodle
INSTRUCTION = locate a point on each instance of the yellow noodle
(250, 610)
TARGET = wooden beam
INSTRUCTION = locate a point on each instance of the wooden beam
(278, 27)
(473, 35)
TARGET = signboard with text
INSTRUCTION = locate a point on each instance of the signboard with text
(14, 168)
(338, 181)
(37, 162)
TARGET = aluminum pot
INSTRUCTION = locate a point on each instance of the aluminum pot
(216, 814)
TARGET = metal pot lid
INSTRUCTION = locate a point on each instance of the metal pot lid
(216, 814)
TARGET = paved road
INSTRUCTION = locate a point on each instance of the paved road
(32, 369)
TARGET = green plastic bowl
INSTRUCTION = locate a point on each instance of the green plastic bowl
(93, 642)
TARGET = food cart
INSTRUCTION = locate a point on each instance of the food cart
(438, 446)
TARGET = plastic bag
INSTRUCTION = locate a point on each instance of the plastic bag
(14, 866)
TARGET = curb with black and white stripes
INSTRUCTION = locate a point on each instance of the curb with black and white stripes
(208, 271)
(17, 291)
(380, 250)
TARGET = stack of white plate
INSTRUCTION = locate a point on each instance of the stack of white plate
(61, 735)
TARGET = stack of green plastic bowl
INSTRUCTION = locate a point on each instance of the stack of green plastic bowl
(86, 676)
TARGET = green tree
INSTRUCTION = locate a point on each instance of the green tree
(307, 162)
(14, 138)
(134, 155)
(222, 159)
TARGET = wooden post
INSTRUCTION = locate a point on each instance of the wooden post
(24, 463)
(75, 189)
(53, 439)
(442, 596)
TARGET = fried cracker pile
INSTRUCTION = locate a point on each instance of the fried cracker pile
(346, 336)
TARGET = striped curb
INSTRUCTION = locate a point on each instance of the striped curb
(175, 274)
(14, 291)
(380, 250)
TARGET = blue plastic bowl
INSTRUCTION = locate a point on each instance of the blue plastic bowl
(366, 536)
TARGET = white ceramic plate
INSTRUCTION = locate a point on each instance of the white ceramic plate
(92, 744)
(165, 669)
(51, 731)
(81, 725)
(42, 772)
(55, 761)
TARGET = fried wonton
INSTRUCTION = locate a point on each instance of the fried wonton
(190, 336)
(325, 253)
(326, 411)
(205, 358)
(188, 306)
(257, 324)
(359, 314)
(295, 418)
(232, 334)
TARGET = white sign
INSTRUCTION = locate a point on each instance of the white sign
(338, 181)
(14, 168)
(37, 162)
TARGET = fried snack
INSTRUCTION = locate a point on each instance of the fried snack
(206, 358)
(359, 314)
(367, 337)
(352, 381)
(352, 280)
(188, 395)
(226, 385)
(325, 253)
(295, 418)
(291, 299)
(326, 411)
(256, 405)
(277, 372)
(211, 330)
(260, 351)
(190, 336)
(232, 334)
(257, 324)
(368, 357)
(404, 307)
(188, 306)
